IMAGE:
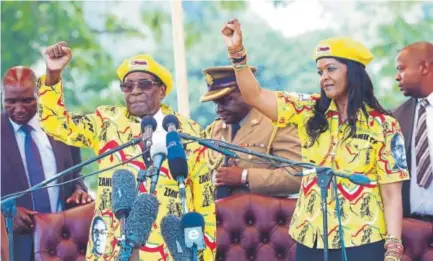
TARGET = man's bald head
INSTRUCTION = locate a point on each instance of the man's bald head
(19, 94)
(415, 69)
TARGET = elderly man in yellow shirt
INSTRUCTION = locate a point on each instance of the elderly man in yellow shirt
(145, 83)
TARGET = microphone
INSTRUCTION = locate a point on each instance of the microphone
(359, 179)
(176, 155)
(122, 196)
(355, 178)
(193, 227)
(148, 126)
(174, 238)
(139, 224)
(158, 152)
(211, 145)
(170, 123)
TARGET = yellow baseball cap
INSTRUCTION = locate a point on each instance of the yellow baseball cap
(145, 63)
(220, 80)
(343, 47)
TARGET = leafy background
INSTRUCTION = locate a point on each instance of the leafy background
(280, 37)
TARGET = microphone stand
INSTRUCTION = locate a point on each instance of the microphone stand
(8, 203)
(223, 191)
(324, 177)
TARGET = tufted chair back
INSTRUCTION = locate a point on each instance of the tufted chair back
(63, 235)
(254, 227)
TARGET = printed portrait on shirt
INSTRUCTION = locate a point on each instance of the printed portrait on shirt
(99, 235)
(398, 151)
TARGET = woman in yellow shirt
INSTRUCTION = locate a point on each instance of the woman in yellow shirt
(345, 128)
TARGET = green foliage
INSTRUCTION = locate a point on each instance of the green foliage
(283, 63)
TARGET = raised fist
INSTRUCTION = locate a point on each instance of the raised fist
(57, 56)
(232, 35)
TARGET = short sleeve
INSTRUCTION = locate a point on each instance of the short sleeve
(293, 108)
(392, 161)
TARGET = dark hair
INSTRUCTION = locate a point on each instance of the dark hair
(360, 93)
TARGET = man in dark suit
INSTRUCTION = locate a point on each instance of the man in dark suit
(29, 156)
(415, 79)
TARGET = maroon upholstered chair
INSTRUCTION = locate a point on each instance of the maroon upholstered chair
(417, 240)
(63, 235)
(254, 227)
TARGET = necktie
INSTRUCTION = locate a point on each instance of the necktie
(41, 200)
(423, 163)
(235, 128)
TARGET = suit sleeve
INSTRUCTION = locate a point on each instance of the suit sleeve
(76, 159)
(281, 180)
(70, 128)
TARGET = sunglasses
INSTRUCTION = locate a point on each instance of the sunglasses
(141, 84)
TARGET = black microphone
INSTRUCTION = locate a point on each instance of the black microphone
(139, 224)
(170, 123)
(176, 154)
(174, 238)
(193, 228)
(122, 196)
(211, 145)
(148, 126)
(158, 152)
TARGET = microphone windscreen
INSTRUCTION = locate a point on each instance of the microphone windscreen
(174, 238)
(170, 120)
(192, 219)
(123, 192)
(176, 156)
(148, 120)
(140, 221)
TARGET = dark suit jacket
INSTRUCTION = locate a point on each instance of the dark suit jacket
(405, 116)
(14, 179)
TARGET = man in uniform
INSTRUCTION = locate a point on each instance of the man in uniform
(244, 126)
(144, 83)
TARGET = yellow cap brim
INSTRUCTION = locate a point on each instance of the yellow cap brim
(216, 94)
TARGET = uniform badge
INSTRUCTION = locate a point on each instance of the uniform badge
(209, 79)
(138, 64)
(323, 50)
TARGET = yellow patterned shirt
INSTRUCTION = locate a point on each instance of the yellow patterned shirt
(376, 150)
(107, 128)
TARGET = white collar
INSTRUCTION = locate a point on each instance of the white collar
(159, 116)
(429, 98)
(33, 122)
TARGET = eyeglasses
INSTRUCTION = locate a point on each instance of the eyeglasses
(99, 232)
(141, 84)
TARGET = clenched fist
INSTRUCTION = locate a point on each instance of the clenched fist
(57, 56)
(232, 35)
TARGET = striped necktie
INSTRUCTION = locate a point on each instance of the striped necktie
(423, 162)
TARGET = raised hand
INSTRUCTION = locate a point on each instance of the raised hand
(232, 35)
(57, 56)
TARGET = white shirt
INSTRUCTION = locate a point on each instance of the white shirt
(420, 198)
(47, 155)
